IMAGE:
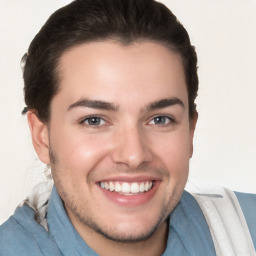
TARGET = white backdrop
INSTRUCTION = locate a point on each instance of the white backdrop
(224, 32)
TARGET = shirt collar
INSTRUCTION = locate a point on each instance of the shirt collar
(188, 231)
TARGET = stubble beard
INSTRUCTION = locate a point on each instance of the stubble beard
(83, 215)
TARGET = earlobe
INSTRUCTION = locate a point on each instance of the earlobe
(39, 135)
(192, 127)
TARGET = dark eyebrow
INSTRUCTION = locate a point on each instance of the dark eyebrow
(96, 104)
(164, 103)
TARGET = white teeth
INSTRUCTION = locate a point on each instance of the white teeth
(147, 186)
(106, 185)
(135, 188)
(118, 187)
(111, 186)
(142, 187)
(127, 188)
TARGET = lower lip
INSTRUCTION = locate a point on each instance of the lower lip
(131, 200)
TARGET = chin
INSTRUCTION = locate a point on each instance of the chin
(129, 229)
(128, 235)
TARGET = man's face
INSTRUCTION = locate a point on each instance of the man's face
(120, 138)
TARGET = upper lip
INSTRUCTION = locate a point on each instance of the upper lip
(126, 178)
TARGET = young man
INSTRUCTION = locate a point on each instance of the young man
(110, 87)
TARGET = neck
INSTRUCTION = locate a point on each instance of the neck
(153, 246)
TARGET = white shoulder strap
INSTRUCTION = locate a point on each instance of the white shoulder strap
(227, 224)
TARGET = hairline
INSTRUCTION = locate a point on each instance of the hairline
(114, 39)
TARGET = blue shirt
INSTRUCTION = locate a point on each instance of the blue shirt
(188, 231)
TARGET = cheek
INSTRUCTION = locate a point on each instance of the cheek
(174, 153)
(79, 152)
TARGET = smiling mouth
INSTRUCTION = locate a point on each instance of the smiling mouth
(125, 188)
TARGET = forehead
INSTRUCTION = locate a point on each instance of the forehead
(112, 71)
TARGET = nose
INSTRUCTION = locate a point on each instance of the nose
(132, 148)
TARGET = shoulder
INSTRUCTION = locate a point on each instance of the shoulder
(247, 201)
(248, 205)
(22, 235)
(16, 240)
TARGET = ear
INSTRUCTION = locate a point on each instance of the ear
(192, 127)
(39, 134)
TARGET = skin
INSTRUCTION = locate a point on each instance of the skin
(127, 142)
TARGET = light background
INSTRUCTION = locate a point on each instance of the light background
(224, 32)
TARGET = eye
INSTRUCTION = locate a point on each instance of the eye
(161, 120)
(93, 121)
